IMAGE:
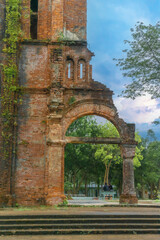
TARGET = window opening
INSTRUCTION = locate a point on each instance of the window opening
(34, 5)
(81, 70)
(34, 18)
(69, 70)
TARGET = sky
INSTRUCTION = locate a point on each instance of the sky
(109, 24)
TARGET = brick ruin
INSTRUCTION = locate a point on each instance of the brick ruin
(55, 72)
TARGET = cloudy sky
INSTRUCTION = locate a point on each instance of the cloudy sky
(109, 23)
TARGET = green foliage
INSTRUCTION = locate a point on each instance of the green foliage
(71, 100)
(67, 186)
(108, 154)
(152, 164)
(139, 150)
(10, 88)
(142, 61)
(83, 127)
(61, 37)
(63, 204)
(147, 176)
(80, 163)
(157, 122)
(85, 163)
(23, 142)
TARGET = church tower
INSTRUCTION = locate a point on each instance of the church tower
(56, 76)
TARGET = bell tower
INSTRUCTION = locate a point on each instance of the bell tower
(49, 18)
(61, 25)
(56, 76)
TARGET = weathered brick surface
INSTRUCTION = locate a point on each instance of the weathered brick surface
(58, 88)
(44, 19)
(67, 17)
(75, 19)
(57, 18)
(25, 18)
(33, 67)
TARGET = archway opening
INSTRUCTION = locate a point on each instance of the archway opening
(92, 160)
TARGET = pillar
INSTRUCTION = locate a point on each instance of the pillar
(54, 188)
(128, 193)
(55, 175)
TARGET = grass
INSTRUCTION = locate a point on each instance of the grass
(65, 206)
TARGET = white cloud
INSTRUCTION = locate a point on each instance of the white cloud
(141, 110)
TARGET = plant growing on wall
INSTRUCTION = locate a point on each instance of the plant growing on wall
(9, 69)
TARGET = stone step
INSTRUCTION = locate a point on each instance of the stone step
(59, 216)
(79, 221)
(81, 226)
(79, 232)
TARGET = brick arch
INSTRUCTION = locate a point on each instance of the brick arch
(97, 108)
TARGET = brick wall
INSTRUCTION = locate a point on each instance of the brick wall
(32, 122)
(44, 19)
(68, 17)
(75, 19)
(47, 110)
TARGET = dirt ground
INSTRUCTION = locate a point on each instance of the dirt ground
(90, 237)
(82, 210)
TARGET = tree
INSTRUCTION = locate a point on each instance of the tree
(147, 176)
(80, 164)
(85, 163)
(139, 152)
(152, 160)
(151, 136)
(142, 63)
(110, 153)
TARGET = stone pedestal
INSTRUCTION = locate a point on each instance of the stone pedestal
(128, 199)
(129, 194)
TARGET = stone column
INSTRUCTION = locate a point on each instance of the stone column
(54, 187)
(55, 174)
(128, 194)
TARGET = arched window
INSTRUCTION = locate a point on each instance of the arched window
(69, 69)
(34, 18)
(82, 70)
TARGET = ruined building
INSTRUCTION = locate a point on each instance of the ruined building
(56, 75)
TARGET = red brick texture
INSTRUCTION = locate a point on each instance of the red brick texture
(58, 88)
(75, 19)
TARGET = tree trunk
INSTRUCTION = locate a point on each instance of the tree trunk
(108, 172)
(86, 187)
(80, 183)
(74, 184)
(105, 175)
(152, 191)
(98, 186)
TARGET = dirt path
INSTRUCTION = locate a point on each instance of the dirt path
(81, 237)
(82, 210)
